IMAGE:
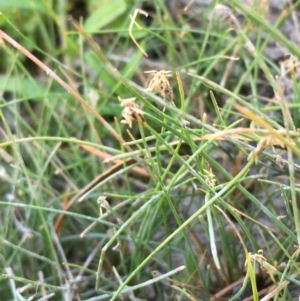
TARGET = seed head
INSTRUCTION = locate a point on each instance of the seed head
(159, 82)
(210, 178)
(131, 112)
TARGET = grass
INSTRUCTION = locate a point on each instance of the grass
(120, 184)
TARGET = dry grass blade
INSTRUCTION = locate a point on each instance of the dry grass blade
(280, 138)
(68, 88)
(138, 26)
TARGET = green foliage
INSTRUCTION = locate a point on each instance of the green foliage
(102, 13)
(119, 182)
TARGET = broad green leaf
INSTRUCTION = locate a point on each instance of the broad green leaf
(108, 11)
(32, 4)
(25, 87)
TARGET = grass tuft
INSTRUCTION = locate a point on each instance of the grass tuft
(149, 151)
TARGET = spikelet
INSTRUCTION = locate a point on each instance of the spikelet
(160, 83)
(131, 112)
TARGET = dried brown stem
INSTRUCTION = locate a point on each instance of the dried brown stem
(73, 92)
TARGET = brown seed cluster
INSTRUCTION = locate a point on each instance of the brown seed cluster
(160, 83)
(131, 112)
